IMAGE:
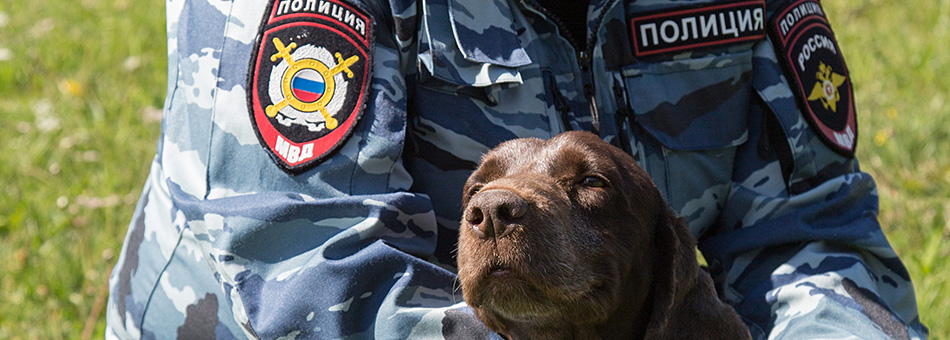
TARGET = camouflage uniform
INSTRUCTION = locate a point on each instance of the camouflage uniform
(225, 244)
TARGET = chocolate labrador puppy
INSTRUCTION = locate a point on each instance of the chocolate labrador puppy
(570, 239)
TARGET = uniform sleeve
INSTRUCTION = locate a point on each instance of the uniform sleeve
(800, 253)
(226, 244)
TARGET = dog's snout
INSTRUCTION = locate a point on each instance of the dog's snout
(494, 213)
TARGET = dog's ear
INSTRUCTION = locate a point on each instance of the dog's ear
(685, 305)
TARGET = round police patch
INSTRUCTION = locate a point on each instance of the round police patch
(817, 73)
(308, 79)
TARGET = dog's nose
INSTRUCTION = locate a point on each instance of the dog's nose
(494, 213)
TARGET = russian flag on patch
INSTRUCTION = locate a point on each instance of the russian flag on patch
(308, 85)
(302, 108)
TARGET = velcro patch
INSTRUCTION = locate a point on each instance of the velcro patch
(708, 25)
(308, 79)
(817, 73)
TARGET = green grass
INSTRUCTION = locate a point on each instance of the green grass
(898, 53)
(80, 82)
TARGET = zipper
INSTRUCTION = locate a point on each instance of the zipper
(557, 21)
(583, 55)
(623, 112)
(583, 58)
(560, 103)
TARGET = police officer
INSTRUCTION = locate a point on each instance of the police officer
(307, 181)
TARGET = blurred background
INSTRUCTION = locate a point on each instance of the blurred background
(82, 84)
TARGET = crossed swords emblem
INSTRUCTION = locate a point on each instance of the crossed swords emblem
(302, 64)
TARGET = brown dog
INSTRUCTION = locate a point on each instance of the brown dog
(570, 239)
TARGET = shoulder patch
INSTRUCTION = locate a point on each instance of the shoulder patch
(696, 27)
(308, 79)
(817, 73)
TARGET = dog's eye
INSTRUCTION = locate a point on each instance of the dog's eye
(473, 190)
(594, 182)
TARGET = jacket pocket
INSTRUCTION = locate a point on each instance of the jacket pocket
(695, 103)
(474, 47)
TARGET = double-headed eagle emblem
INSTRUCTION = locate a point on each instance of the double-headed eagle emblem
(826, 88)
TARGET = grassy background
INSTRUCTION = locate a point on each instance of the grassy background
(82, 83)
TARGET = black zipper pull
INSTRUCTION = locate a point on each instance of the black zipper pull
(623, 111)
(560, 103)
(583, 58)
(592, 102)
(623, 108)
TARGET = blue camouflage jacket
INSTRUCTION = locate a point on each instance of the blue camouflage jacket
(308, 176)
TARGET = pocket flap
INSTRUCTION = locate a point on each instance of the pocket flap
(459, 44)
(695, 103)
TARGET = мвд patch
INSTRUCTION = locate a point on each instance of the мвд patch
(308, 79)
(817, 73)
